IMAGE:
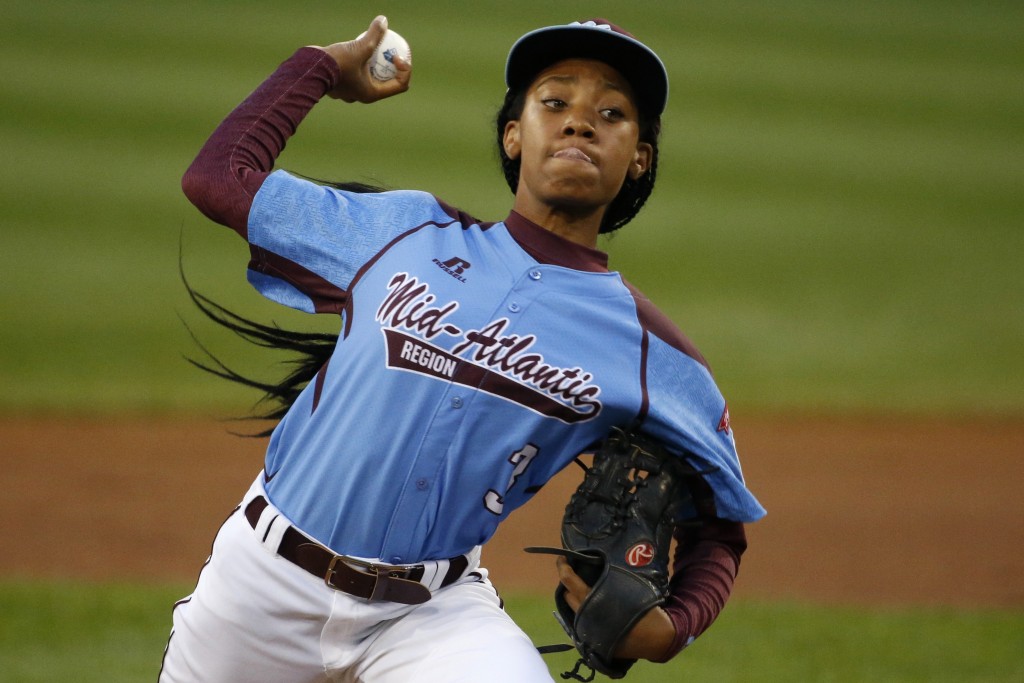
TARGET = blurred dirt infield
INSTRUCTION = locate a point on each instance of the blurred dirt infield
(860, 511)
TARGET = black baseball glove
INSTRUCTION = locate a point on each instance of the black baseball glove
(616, 533)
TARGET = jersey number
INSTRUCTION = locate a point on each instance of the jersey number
(521, 459)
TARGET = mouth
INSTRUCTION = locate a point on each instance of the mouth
(573, 154)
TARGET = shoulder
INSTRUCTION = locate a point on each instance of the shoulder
(653, 321)
(294, 196)
(411, 202)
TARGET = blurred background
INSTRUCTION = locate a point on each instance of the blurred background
(838, 224)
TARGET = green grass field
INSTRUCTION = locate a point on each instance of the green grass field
(115, 633)
(837, 225)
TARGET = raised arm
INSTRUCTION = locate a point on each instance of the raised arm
(238, 156)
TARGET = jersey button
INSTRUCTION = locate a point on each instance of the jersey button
(422, 484)
(534, 274)
(514, 307)
(457, 402)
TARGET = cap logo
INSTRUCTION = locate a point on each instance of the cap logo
(592, 24)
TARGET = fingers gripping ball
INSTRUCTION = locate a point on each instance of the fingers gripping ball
(382, 63)
(616, 533)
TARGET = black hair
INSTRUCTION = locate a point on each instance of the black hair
(311, 351)
(631, 197)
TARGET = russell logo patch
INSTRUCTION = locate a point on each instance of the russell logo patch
(454, 267)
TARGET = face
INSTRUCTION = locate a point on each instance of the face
(577, 138)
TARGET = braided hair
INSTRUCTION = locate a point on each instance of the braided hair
(631, 197)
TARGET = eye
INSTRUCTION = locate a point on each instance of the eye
(553, 103)
(613, 114)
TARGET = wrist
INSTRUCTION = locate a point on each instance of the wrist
(663, 639)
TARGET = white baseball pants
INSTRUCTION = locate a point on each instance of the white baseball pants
(255, 617)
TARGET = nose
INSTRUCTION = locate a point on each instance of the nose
(577, 124)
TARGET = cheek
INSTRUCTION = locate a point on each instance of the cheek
(623, 165)
(630, 157)
(530, 151)
(525, 134)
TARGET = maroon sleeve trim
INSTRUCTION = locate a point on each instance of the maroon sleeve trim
(645, 397)
(326, 297)
(461, 216)
(318, 387)
(376, 257)
(662, 327)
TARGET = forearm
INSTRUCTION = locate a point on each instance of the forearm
(223, 179)
(706, 564)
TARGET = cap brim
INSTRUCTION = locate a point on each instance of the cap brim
(635, 61)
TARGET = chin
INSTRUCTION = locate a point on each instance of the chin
(578, 196)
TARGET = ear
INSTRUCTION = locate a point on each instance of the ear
(511, 140)
(641, 160)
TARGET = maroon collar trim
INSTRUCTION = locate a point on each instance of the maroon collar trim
(547, 247)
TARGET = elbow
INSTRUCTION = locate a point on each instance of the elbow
(208, 192)
(196, 185)
(220, 193)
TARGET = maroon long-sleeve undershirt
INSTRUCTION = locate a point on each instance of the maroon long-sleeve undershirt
(704, 570)
(222, 182)
(223, 179)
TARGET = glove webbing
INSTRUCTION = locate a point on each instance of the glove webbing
(565, 647)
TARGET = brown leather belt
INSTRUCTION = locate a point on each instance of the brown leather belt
(371, 582)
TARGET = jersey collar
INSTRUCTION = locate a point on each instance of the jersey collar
(547, 247)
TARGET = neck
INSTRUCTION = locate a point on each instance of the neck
(581, 228)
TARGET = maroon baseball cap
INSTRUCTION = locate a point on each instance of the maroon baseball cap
(592, 39)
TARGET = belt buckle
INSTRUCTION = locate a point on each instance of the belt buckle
(329, 574)
(381, 573)
(364, 567)
(378, 569)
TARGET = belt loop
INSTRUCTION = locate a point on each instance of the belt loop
(433, 573)
(380, 585)
(262, 528)
(456, 568)
(275, 532)
(269, 527)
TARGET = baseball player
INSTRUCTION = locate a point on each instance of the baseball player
(474, 360)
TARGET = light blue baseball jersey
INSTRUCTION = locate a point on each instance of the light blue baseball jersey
(474, 362)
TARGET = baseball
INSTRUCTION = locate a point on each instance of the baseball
(382, 63)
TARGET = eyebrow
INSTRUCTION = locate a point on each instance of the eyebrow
(611, 85)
